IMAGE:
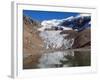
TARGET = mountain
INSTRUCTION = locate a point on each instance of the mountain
(33, 24)
(63, 33)
(53, 24)
(31, 42)
(52, 35)
(78, 23)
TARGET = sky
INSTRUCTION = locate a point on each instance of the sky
(47, 15)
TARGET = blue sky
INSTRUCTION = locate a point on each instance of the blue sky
(47, 15)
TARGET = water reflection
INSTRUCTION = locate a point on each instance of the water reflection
(65, 59)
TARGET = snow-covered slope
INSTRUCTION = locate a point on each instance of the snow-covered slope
(54, 23)
(79, 22)
(74, 22)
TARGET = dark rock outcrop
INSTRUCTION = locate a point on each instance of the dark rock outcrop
(79, 23)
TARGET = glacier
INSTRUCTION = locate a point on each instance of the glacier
(54, 40)
(50, 34)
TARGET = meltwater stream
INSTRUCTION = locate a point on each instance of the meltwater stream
(54, 40)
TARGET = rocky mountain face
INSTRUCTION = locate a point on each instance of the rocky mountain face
(79, 22)
(33, 24)
(32, 42)
(81, 39)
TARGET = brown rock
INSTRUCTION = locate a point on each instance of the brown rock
(83, 39)
(32, 43)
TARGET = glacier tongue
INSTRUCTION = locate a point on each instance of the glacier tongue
(54, 40)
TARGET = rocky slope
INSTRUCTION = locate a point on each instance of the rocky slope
(32, 42)
(81, 39)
